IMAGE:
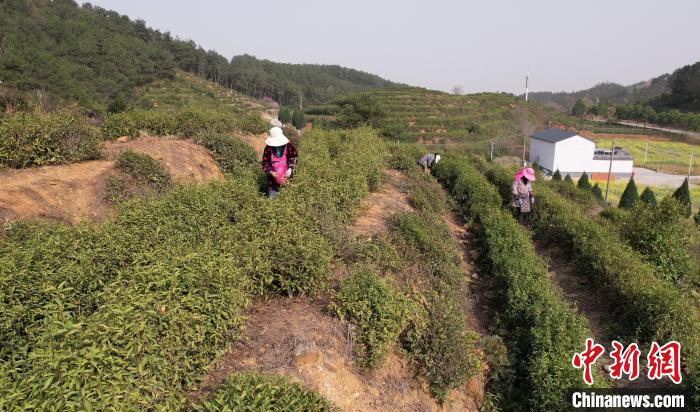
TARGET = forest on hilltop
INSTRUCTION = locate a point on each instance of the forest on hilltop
(97, 58)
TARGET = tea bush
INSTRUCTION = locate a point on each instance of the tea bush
(663, 237)
(186, 123)
(128, 314)
(30, 139)
(648, 308)
(248, 392)
(231, 153)
(378, 308)
(543, 330)
(143, 168)
(438, 342)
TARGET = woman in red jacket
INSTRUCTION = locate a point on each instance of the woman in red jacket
(278, 160)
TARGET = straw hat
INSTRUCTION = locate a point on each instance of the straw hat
(276, 138)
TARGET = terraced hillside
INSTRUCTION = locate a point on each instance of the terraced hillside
(190, 91)
(432, 117)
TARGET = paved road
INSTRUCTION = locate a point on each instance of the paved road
(651, 178)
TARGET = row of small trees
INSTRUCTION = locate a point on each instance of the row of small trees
(630, 196)
(296, 117)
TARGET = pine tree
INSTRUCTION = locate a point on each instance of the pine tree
(569, 181)
(648, 196)
(597, 192)
(284, 116)
(682, 194)
(583, 182)
(629, 196)
(556, 176)
(697, 218)
(298, 119)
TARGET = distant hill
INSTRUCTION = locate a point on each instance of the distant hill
(98, 58)
(433, 117)
(605, 93)
(285, 82)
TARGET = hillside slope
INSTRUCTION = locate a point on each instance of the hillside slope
(606, 92)
(97, 58)
(432, 117)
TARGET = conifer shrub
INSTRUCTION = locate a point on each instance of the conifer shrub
(648, 197)
(682, 194)
(31, 139)
(569, 181)
(556, 176)
(629, 196)
(597, 192)
(251, 392)
(583, 182)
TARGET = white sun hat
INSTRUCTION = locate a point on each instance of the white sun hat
(276, 123)
(437, 158)
(276, 138)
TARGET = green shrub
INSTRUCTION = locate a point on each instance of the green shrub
(144, 169)
(542, 329)
(284, 116)
(682, 194)
(29, 139)
(189, 123)
(231, 153)
(583, 182)
(264, 393)
(252, 123)
(629, 196)
(379, 310)
(663, 237)
(443, 350)
(556, 176)
(569, 181)
(597, 192)
(133, 311)
(647, 307)
(648, 197)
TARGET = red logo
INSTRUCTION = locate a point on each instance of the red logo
(665, 361)
(662, 361)
(626, 361)
(587, 358)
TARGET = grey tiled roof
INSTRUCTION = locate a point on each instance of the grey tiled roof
(553, 135)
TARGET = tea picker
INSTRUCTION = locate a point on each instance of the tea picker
(279, 160)
(429, 161)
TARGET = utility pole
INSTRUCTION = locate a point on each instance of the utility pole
(607, 185)
(646, 148)
(690, 166)
(492, 145)
(524, 142)
(527, 81)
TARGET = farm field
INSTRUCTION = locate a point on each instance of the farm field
(663, 155)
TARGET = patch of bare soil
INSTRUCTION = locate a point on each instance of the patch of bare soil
(75, 192)
(379, 206)
(576, 289)
(296, 338)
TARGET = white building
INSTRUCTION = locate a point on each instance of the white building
(557, 149)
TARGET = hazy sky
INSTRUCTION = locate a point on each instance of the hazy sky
(480, 45)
